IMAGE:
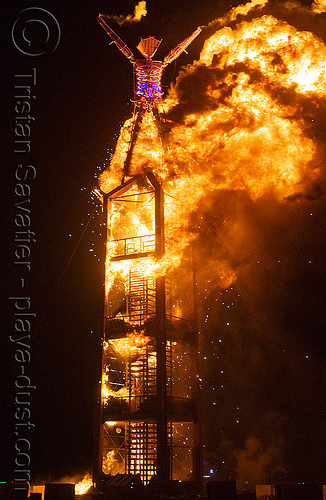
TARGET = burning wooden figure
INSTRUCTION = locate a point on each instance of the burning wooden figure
(148, 76)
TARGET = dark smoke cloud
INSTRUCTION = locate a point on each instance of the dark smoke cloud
(270, 342)
(300, 15)
(257, 462)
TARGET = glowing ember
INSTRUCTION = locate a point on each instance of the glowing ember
(83, 486)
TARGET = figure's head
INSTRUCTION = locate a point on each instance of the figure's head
(148, 46)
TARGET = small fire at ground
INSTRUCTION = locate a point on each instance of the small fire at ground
(83, 486)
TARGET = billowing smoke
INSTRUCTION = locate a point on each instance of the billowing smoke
(317, 6)
(249, 116)
(240, 10)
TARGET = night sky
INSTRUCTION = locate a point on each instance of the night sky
(263, 351)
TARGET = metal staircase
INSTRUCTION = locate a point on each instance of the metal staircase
(141, 446)
(141, 376)
(141, 299)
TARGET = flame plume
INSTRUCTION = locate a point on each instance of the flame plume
(139, 12)
(239, 119)
(318, 6)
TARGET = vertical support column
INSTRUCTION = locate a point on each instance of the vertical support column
(163, 455)
(163, 459)
(138, 114)
(98, 431)
(159, 215)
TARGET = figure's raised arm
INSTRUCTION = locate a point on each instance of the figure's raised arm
(181, 47)
(114, 37)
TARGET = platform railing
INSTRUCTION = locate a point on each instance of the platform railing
(135, 245)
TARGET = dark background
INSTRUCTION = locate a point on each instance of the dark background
(264, 385)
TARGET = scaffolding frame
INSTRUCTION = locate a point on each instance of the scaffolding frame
(150, 412)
